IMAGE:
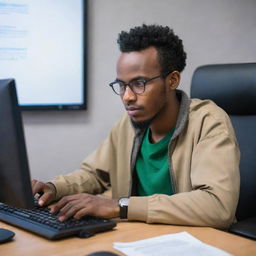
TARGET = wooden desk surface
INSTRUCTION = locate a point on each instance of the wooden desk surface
(26, 244)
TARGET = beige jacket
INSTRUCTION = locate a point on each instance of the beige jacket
(203, 163)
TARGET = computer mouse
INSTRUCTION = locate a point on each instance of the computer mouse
(101, 253)
(6, 235)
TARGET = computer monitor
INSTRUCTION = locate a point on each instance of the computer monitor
(47, 40)
(15, 183)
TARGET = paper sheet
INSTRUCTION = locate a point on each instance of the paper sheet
(173, 244)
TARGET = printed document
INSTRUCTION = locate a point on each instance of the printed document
(173, 244)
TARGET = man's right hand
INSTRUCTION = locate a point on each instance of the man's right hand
(46, 190)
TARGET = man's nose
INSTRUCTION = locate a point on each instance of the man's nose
(128, 95)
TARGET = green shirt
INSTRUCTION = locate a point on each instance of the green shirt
(152, 167)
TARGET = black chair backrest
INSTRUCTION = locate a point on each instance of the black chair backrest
(233, 88)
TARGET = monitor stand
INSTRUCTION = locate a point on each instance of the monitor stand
(6, 235)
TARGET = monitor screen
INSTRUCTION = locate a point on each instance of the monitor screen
(43, 47)
(15, 184)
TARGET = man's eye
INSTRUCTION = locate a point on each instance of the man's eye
(137, 83)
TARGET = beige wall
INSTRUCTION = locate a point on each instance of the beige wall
(219, 31)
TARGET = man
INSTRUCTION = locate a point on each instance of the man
(168, 160)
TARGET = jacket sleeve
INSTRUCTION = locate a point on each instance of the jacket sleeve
(92, 176)
(214, 177)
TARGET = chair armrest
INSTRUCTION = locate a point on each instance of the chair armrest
(245, 228)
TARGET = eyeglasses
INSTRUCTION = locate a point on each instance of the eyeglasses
(136, 85)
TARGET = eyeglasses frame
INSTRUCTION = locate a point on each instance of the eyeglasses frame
(145, 81)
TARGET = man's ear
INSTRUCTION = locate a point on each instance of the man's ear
(173, 80)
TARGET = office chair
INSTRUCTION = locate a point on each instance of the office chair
(233, 88)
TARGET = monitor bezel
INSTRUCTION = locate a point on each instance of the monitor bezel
(17, 183)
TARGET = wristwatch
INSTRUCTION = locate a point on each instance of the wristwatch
(123, 206)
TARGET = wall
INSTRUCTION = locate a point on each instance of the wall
(212, 31)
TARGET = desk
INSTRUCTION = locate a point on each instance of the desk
(27, 244)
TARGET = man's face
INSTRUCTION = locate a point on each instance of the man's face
(143, 64)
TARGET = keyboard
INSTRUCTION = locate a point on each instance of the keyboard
(41, 222)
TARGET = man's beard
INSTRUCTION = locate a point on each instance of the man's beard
(146, 123)
(143, 124)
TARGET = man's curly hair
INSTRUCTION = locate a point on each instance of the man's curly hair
(168, 45)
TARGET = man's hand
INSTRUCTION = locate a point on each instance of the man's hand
(80, 205)
(46, 189)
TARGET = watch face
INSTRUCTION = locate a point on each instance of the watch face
(124, 201)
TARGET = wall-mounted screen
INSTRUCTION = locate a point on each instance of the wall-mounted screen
(43, 47)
